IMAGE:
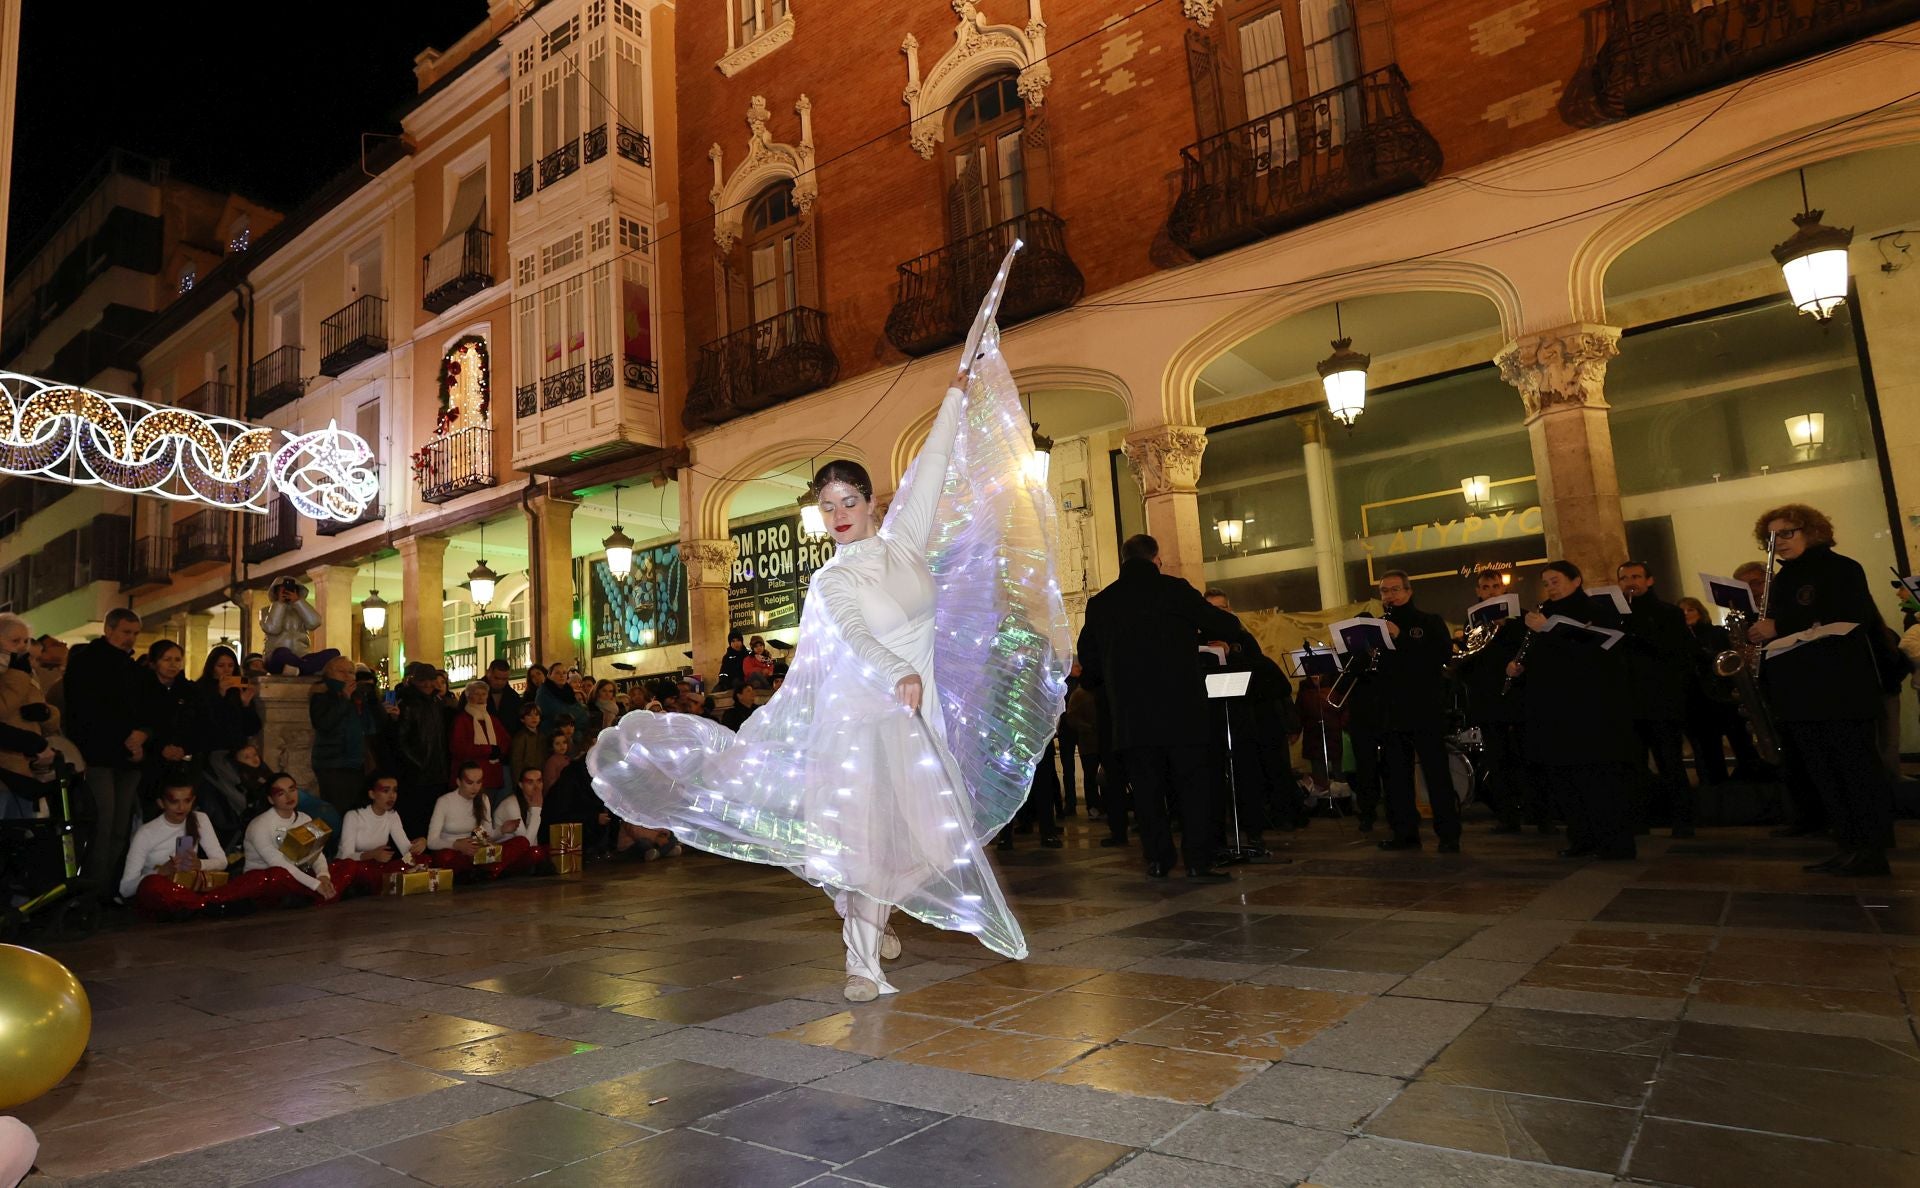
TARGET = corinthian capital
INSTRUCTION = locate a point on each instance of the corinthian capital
(1166, 460)
(1563, 368)
(708, 562)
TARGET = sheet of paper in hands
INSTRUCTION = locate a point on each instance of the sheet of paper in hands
(1787, 643)
(1494, 610)
(1606, 637)
(1360, 635)
(1613, 594)
(1727, 593)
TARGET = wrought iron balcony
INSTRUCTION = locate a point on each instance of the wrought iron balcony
(456, 270)
(526, 400)
(941, 291)
(354, 335)
(150, 565)
(50, 571)
(372, 513)
(203, 539)
(102, 549)
(771, 361)
(449, 466)
(213, 398)
(596, 142)
(1339, 150)
(563, 387)
(559, 163)
(633, 145)
(522, 182)
(600, 374)
(277, 382)
(643, 374)
(270, 535)
(1644, 53)
(518, 653)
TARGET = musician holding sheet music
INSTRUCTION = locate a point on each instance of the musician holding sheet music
(1659, 652)
(1825, 675)
(1493, 636)
(1413, 677)
(1579, 723)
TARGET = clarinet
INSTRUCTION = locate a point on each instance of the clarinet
(1520, 657)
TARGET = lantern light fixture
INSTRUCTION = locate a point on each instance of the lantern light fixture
(1344, 375)
(619, 545)
(1477, 490)
(1814, 260)
(813, 524)
(1807, 432)
(481, 580)
(1040, 462)
(373, 612)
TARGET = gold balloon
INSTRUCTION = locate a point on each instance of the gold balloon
(44, 1023)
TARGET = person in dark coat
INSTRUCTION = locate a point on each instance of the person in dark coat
(1658, 648)
(419, 746)
(732, 662)
(104, 722)
(1500, 718)
(1579, 726)
(176, 710)
(1261, 722)
(1141, 641)
(1826, 695)
(1413, 675)
(342, 718)
(229, 698)
(502, 698)
(1713, 718)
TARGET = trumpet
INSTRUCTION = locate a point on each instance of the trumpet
(1520, 656)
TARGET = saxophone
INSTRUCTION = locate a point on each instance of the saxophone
(1740, 665)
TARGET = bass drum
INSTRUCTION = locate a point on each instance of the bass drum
(1460, 768)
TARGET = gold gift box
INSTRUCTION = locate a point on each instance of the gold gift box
(304, 841)
(565, 839)
(565, 863)
(486, 854)
(418, 881)
(200, 880)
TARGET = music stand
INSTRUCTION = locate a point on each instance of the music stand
(1319, 661)
(1222, 685)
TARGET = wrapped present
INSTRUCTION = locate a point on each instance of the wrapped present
(200, 880)
(486, 854)
(302, 842)
(565, 863)
(418, 880)
(566, 839)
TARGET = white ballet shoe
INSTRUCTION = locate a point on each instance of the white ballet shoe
(860, 989)
(889, 946)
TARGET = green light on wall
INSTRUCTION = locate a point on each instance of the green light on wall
(577, 629)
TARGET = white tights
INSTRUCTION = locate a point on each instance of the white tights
(864, 923)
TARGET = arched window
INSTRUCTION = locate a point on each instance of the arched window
(772, 232)
(987, 168)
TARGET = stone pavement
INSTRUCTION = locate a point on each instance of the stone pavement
(1708, 1016)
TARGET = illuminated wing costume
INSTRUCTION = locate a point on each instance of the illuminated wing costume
(832, 778)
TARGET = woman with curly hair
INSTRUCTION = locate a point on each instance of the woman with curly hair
(1827, 693)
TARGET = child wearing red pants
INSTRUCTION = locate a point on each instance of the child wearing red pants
(178, 841)
(518, 815)
(375, 840)
(270, 876)
(462, 823)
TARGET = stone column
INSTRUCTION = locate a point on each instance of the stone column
(1329, 562)
(197, 639)
(423, 581)
(1166, 464)
(333, 599)
(286, 730)
(253, 600)
(550, 527)
(709, 578)
(1561, 375)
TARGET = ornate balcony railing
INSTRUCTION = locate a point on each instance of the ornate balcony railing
(203, 538)
(270, 535)
(151, 563)
(632, 145)
(771, 361)
(600, 373)
(448, 467)
(463, 664)
(213, 398)
(643, 374)
(1644, 53)
(277, 381)
(518, 653)
(563, 387)
(354, 335)
(526, 400)
(522, 182)
(559, 163)
(596, 142)
(1341, 149)
(456, 270)
(941, 291)
(102, 550)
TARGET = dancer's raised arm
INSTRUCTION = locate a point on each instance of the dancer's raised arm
(910, 519)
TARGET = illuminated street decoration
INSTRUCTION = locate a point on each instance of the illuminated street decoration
(74, 435)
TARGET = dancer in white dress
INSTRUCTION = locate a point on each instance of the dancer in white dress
(924, 686)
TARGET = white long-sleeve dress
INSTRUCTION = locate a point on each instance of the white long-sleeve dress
(833, 778)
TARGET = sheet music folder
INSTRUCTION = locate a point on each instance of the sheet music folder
(1228, 684)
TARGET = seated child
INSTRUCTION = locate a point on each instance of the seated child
(559, 755)
(462, 823)
(374, 837)
(180, 839)
(518, 814)
(270, 876)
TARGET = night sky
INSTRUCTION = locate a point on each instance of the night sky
(233, 97)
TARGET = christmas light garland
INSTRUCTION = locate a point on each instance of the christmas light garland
(69, 434)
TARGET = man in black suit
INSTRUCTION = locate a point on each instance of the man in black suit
(1413, 680)
(1141, 642)
(1659, 651)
